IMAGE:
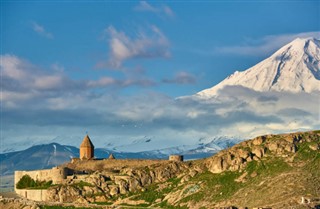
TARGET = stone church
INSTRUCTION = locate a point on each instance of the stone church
(86, 149)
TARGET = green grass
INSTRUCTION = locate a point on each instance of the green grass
(306, 154)
(81, 184)
(62, 207)
(152, 194)
(143, 205)
(216, 186)
(310, 157)
(103, 203)
(269, 166)
(164, 204)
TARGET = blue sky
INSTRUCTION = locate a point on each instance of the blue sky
(130, 52)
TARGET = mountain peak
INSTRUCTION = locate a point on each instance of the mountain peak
(295, 68)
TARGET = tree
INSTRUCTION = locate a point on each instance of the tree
(25, 182)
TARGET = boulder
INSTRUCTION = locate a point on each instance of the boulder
(134, 184)
(258, 140)
(291, 148)
(123, 185)
(258, 151)
(185, 178)
(192, 173)
(273, 146)
(243, 153)
(114, 190)
(314, 147)
(216, 165)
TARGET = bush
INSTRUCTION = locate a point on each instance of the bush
(27, 182)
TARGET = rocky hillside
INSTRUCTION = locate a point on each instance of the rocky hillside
(277, 171)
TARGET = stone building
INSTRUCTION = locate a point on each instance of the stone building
(178, 158)
(86, 149)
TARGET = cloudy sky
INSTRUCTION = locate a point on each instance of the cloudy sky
(115, 68)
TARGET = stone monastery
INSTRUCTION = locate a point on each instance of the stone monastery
(61, 174)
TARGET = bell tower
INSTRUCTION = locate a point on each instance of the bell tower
(86, 149)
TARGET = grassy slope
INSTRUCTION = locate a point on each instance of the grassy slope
(274, 181)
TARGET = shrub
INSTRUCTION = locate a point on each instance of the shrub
(27, 182)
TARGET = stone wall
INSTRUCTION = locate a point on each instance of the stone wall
(33, 194)
(56, 175)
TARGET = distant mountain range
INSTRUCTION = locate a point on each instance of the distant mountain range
(53, 154)
(293, 68)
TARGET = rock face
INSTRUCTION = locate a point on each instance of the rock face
(102, 185)
(63, 194)
(236, 157)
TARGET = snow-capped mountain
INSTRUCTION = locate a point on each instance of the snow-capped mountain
(293, 68)
(48, 155)
(36, 157)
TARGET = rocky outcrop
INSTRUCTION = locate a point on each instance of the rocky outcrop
(64, 194)
(102, 185)
(237, 157)
(10, 203)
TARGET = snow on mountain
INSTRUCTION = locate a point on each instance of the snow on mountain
(13, 145)
(293, 68)
(36, 157)
(203, 146)
(48, 155)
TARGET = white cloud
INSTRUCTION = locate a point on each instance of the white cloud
(104, 81)
(23, 81)
(182, 121)
(144, 6)
(181, 78)
(168, 11)
(24, 75)
(11, 67)
(264, 45)
(48, 82)
(108, 81)
(51, 99)
(123, 47)
(41, 30)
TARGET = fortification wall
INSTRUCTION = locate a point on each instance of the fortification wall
(33, 194)
(56, 175)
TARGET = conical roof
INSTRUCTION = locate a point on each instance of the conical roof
(86, 142)
(111, 156)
